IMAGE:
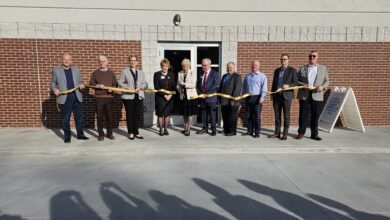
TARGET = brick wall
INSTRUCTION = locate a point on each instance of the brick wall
(20, 60)
(363, 66)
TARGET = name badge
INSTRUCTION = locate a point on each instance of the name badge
(162, 77)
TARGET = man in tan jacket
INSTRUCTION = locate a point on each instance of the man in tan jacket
(315, 75)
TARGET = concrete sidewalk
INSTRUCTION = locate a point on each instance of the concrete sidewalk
(50, 142)
(194, 178)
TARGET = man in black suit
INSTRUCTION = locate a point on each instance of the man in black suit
(208, 84)
(284, 77)
(231, 84)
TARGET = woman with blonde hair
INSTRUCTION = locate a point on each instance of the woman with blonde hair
(186, 85)
(163, 79)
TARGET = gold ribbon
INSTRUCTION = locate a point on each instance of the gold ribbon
(294, 88)
(70, 90)
(119, 90)
(222, 95)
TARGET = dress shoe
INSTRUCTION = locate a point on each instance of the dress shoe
(256, 136)
(139, 136)
(299, 136)
(201, 132)
(67, 141)
(213, 133)
(284, 137)
(248, 133)
(183, 131)
(166, 132)
(234, 134)
(274, 136)
(101, 138)
(161, 132)
(228, 134)
(111, 137)
(187, 133)
(83, 137)
(315, 137)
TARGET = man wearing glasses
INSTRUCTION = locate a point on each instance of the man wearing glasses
(315, 75)
(284, 77)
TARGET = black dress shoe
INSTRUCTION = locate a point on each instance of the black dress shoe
(256, 136)
(201, 131)
(101, 138)
(166, 132)
(67, 141)
(229, 134)
(83, 138)
(139, 136)
(248, 133)
(131, 138)
(161, 133)
(274, 136)
(213, 133)
(316, 137)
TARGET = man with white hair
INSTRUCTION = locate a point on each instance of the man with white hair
(255, 82)
(104, 77)
(208, 84)
(67, 77)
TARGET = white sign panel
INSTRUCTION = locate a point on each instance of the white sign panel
(343, 100)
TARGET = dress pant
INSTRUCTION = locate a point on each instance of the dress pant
(304, 106)
(133, 114)
(229, 117)
(72, 104)
(104, 109)
(209, 108)
(281, 104)
(254, 114)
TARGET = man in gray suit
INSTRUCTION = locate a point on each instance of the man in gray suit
(315, 75)
(66, 77)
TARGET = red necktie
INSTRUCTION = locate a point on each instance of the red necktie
(204, 83)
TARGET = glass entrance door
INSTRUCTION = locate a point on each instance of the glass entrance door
(175, 53)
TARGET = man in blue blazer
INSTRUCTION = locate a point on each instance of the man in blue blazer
(66, 77)
(208, 83)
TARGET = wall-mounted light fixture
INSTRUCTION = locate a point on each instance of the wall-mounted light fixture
(176, 20)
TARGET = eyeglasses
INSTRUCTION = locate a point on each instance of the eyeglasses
(312, 56)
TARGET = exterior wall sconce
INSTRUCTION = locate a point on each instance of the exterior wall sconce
(176, 20)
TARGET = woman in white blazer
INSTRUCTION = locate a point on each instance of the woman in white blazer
(186, 85)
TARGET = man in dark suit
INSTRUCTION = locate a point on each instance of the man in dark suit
(231, 84)
(284, 77)
(66, 77)
(315, 75)
(208, 84)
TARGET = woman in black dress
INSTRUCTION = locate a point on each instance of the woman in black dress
(186, 84)
(163, 102)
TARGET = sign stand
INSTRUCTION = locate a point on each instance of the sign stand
(341, 99)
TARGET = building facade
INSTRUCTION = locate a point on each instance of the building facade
(352, 37)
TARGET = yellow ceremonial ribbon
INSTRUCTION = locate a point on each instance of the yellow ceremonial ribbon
(294, 88)
(222, 95)
(120, 90)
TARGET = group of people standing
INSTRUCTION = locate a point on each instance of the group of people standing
(189, 85)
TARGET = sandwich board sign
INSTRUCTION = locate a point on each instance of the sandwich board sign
(341, 100)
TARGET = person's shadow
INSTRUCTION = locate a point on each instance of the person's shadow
(71, 205)
(352, 212)
(10, 217)
(241, 207)
(123, 205)
(170, 207)
(302, 207)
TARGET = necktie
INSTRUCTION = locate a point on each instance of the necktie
(204, 83)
